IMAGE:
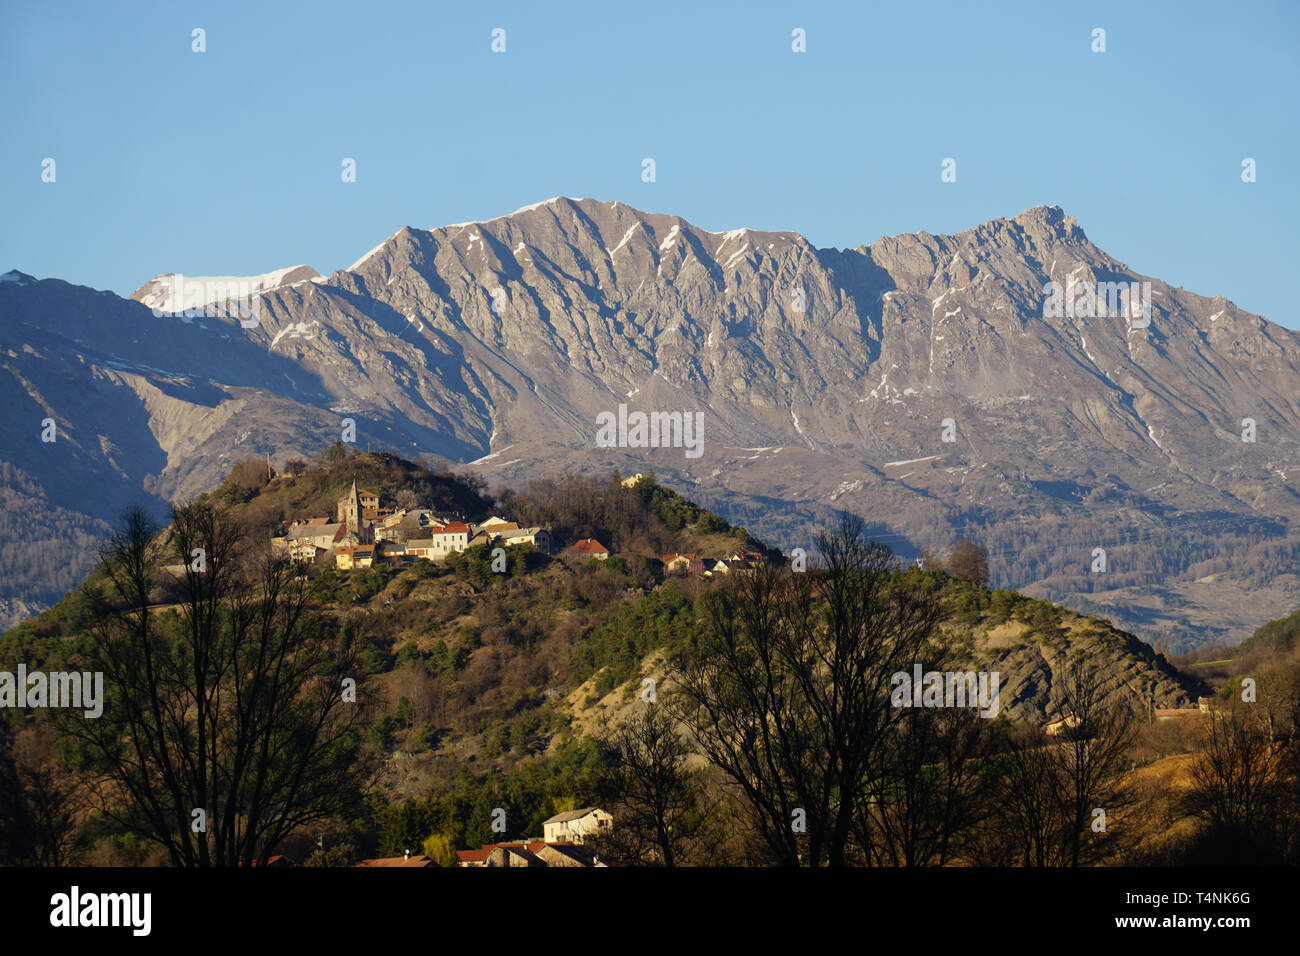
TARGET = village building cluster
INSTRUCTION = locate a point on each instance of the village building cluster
(563, 843)
(362, 532)
(737, 561)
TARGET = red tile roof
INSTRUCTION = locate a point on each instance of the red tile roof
(590, 546)
(399, 861)
(482, 853)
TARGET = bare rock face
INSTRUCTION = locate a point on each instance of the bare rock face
(923, 381)
(1034, 673)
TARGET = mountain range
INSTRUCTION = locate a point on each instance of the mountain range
(1135, 463)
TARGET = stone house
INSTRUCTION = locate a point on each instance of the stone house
(316, 533)
(529, 853)
(574, 826)
(568, 854)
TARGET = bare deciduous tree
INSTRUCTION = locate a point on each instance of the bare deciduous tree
(225, 727)
(788, 691)
(932, 787)
(1240, 788)
(1093, 759)
(651, 791)
(970, 562)
(41, 804)
(1029, 825)
(1052, 786)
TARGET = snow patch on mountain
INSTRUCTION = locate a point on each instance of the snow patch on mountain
(173, 293)
(622, 242)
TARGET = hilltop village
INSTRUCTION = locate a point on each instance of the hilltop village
(364, 531)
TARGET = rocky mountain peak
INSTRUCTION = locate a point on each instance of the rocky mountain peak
(919, 380)
(1050, 221)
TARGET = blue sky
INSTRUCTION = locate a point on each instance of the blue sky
(228, 162)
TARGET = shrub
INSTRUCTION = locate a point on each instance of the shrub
(345, 854)
(381, 731)
(438, 847)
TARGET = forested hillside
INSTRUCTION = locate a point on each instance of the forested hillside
(483, 689)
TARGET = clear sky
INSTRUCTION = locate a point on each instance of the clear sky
(228, 162)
